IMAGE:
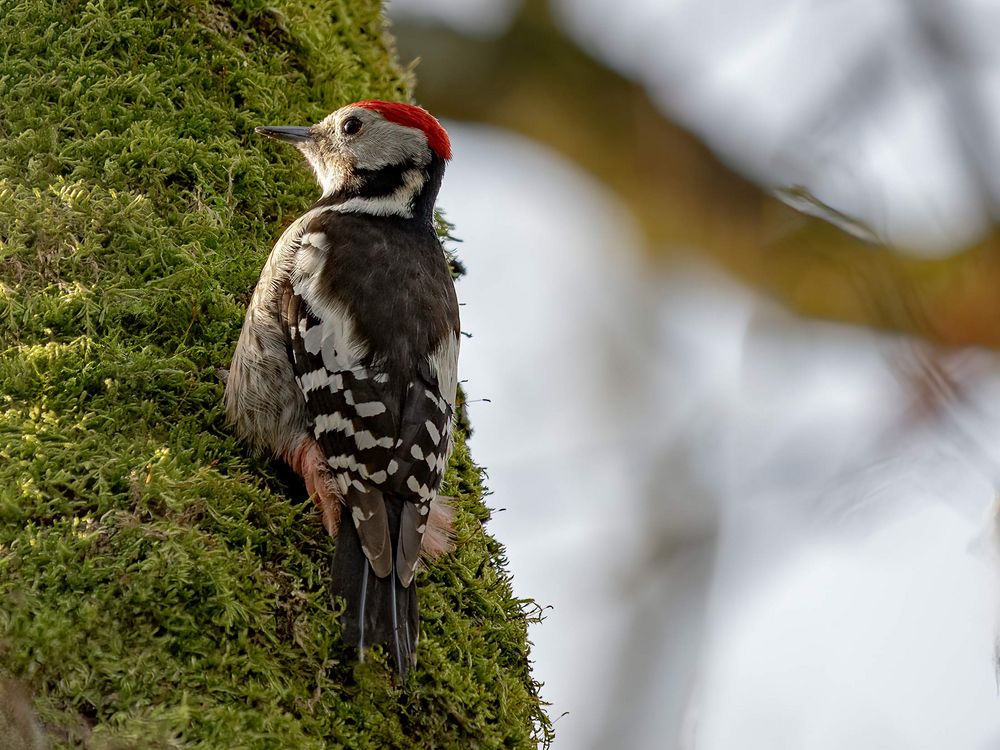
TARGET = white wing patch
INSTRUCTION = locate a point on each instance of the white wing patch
(320, 379)
(330, 422)
(423, 491)
(334, 339)
(369, 408)
(444, 364)
(365, 440)
(432, 430)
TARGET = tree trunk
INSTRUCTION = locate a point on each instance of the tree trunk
(161, 587)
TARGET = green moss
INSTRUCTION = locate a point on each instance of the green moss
(160, 587)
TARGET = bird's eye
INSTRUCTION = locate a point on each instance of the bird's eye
(350, 126)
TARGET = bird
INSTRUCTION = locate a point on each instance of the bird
(346, 366)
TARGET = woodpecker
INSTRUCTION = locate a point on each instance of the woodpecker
(346, 366)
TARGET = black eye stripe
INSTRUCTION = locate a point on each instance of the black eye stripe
(350, 126)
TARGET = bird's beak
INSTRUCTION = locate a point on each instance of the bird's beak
(287, 133)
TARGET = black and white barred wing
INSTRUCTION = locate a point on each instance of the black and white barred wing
(379, 437)
(329, 375)
(424, 446)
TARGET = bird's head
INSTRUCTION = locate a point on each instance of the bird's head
(382, 158)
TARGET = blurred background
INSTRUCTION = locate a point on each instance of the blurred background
(732, 292)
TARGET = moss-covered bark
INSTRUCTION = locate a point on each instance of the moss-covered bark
(158, 586)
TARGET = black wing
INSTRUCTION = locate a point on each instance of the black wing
(384, 438)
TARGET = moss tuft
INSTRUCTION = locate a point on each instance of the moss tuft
(160, 587)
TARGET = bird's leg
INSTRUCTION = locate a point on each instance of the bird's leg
(307, 460)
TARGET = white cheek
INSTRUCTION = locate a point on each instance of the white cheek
(329, 178)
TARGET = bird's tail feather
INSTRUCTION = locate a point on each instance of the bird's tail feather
(378, 610)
